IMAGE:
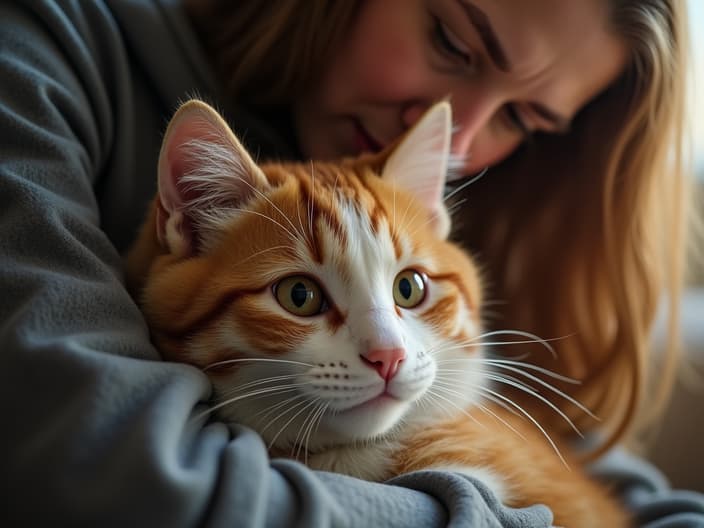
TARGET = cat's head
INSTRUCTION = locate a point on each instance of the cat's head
(323, 300)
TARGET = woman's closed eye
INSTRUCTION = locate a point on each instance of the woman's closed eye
(450, 45)
(515, 120)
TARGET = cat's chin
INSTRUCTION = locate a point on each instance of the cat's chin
(367, 420)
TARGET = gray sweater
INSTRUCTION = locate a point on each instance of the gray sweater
(96, 428)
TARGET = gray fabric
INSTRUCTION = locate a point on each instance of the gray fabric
(646, 492)
(97, 430)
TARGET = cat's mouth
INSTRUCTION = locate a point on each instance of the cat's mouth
(364, 141)
(380, 400)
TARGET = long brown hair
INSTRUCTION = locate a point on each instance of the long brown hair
(582, 236)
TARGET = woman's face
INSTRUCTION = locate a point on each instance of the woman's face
(509, 67)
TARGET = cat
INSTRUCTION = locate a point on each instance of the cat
(334, 317)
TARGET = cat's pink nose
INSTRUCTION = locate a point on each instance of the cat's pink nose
(386, 361)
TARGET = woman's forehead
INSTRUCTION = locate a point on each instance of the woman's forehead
(563, 51)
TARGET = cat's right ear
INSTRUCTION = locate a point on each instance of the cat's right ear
(203, 169)
(419, 163)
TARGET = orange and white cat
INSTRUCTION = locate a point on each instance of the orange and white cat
(334, 317)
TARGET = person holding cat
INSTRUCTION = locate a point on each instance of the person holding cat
(579, 226)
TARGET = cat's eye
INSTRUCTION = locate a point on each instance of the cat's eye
(300, 295)
(409, 288)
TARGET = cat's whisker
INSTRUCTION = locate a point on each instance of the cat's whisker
(264, 414)
(393, 209)
(520, 384)
(306, 234)
(268, 379)
(445, 384)
(259, 253)
(263, 360)
(283, 427)
(402, 222)
(316, 415)
(453, 404)
(270, 202)
(311, 198)
(296, 445)
(261, 383)
(289, 408)
(233, 393)
(532, 338)
(497, 362)
(334, 186)
(466, 184)
(486, 374)
(547, 385)
(529, 390)
(432, 397)
(472, 343)
(258, 392)
(530, 417)
(291, 235)
(456, 206)
(421, 226)
(500, 403)
(419, 211)
(450, 210)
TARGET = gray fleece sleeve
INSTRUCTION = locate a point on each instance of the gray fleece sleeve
(647, 494)
(97, 431)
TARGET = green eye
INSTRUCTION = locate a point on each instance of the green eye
(300, 295)
(409, 288)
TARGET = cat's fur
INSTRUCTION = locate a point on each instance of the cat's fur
(381, 378)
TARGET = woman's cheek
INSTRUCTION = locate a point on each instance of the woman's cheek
(392, 70)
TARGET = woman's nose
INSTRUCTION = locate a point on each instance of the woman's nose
(469, 117)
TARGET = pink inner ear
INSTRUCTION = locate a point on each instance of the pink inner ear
(174, 163)
(177, 163)
(200, 145)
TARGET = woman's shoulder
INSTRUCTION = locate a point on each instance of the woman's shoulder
(154, 35)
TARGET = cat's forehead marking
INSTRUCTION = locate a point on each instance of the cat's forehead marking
(323, 189)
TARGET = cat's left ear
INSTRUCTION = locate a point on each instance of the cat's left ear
(419, 164)
(205, 175)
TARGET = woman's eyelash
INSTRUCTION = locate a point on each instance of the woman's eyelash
(516, 120)
(446, 44)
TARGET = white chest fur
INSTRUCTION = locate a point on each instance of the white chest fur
(366, 461)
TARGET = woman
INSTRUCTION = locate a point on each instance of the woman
(582, 230)
(99, 429)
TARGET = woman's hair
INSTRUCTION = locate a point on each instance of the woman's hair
(267, 53)
(581, 236)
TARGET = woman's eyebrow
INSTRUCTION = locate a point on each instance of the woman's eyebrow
(486, 33)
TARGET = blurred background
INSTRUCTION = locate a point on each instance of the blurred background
(696, 16)
(678, 446)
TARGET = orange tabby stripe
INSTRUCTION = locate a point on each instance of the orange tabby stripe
(211, 313)
(459, 283)
(270, 333)
(379, 211)
(443, 313)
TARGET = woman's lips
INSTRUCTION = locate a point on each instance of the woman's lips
(364, 142)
